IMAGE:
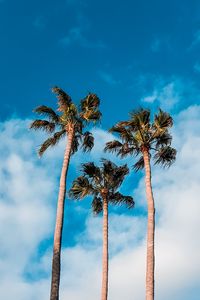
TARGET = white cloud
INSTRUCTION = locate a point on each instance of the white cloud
(167, 95)
(177, 206)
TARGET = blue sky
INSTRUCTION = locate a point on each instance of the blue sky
(131, 53)
(117, 49)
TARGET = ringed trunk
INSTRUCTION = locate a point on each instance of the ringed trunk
(104, 292)
(150, 262)
(55, 279)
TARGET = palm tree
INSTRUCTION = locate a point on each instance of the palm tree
(102, 183)
(149, 140)
(70, 122)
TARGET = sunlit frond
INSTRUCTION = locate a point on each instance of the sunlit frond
(162, 121)
(90, 102)
(140, 119)
(64, 100)
(43, 125)
(48, 112)
(81, 187)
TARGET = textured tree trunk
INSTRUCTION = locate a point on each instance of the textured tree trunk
(55, 280)
(150, 229)
(104, 291)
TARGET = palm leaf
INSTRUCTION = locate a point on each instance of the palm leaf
(64, 100)
(81, 187)
(97, 205)
(140, 119)
(43, 125)
(139, 164)
(113, 146)
(90, 102)
(163, 140)
(88, 141)
(89, 169)
(76, 143)
(162, 121)
(91, 115)
(165, 156)
(47, 111)
(119, 199)
(52, 141)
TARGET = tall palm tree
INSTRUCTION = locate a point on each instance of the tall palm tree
(70, 121)
(102, 183)
(149, 140)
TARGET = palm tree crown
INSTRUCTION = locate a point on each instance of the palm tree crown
(100, 181)
(69, 116)
(139, 134)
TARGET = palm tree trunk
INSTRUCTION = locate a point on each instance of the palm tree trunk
(150, 229)
(55, 280)
(104, 292)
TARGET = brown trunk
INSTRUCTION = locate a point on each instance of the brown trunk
(104, 291)
(150, 229)
(55, 280)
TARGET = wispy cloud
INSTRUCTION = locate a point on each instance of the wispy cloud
(197, 67)
(39, 22)
(77, 35)
(171, 93)
(108, 78)
(196, 40)
(155, 46)
(167, 96)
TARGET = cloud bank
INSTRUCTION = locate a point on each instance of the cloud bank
(28, 189)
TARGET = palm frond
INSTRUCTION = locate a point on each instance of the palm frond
(126, 150)
(113, 146)
(76, 143)
(139, 164)
(90, 108)
(97, 205)
(90, 102)
(117, 176)
(89, 169)
(107, 166)
(88, 141)
(43, 125)
(124, 133)
(91, 115)
(119, 199)
(81, 187)
(47, 111)
(163, 140)
(64, 100)
(50, 142)
(165, 156)
(78, 125)
(162, 121)
(140, 119)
